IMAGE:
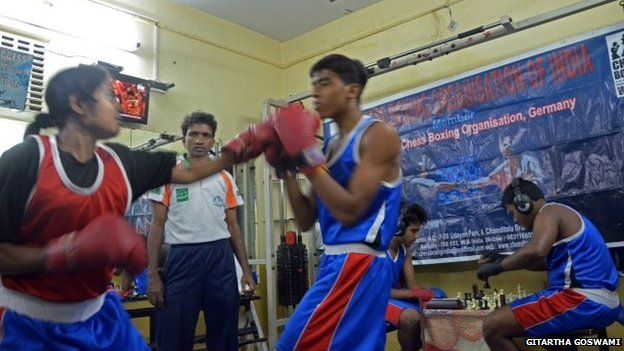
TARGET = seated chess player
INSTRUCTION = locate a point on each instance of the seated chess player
(582, 278)
(403, 311)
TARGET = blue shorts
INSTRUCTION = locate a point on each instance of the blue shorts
(396, 307)
(344, 309)
(556, 311)
(109, 329)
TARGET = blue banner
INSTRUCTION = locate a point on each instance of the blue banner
(15, 70)
(554, 118)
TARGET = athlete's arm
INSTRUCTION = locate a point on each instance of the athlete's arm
(537, 266)
(238, 245)
(18, 175)
(156, 288)
(410, 282)
(379, 161)
(303, 206)
(18, 259)
(202, 169)
(246, 145)
(409, 274)
(401, 294)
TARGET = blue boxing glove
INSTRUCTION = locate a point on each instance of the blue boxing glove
(438, 293)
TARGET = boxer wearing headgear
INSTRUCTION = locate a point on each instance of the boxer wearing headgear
(582, 277)
(403, 311)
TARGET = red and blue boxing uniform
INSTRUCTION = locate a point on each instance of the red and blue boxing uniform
(583, 287)
(353, 285)
(49, 194)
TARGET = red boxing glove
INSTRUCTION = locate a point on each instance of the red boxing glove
(297, 129)
(251, 142)
(278, 159)
(107, 241)
(422, 294)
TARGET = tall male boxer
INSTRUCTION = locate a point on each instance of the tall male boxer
(356, 198)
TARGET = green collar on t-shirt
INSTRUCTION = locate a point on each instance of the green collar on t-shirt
(185, 162)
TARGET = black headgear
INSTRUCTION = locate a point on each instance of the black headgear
(410, 213)
(521, 202)
(403, 221)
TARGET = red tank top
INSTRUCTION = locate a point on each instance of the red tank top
(57, 206)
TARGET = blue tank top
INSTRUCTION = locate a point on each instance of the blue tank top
(397, 267)
(379, 224)
(582, 260)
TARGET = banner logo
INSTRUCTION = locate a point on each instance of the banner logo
(615, 46)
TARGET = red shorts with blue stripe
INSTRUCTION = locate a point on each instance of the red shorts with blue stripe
(344, 309)
(396, 307)
(557, 311)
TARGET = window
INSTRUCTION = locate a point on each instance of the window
(34, 99)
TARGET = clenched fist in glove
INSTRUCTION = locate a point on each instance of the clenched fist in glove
(107, 241)
(297, 130)
(252, 142)
(278, 159)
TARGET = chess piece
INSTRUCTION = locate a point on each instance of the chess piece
(495, 298)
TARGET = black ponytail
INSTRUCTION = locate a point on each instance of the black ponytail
(42, 121)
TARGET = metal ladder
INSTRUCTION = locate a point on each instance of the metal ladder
(249, 329)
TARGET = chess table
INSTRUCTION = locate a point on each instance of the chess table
(454, 330)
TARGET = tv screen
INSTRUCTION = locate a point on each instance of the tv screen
(133, 95)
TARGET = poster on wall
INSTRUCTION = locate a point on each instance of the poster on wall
(15, 70)
(554, 117)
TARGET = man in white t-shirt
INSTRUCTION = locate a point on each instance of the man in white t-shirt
(199, 223)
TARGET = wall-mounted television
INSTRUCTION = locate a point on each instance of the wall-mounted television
(133, 94)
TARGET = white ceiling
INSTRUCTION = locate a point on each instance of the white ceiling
(279, 19)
